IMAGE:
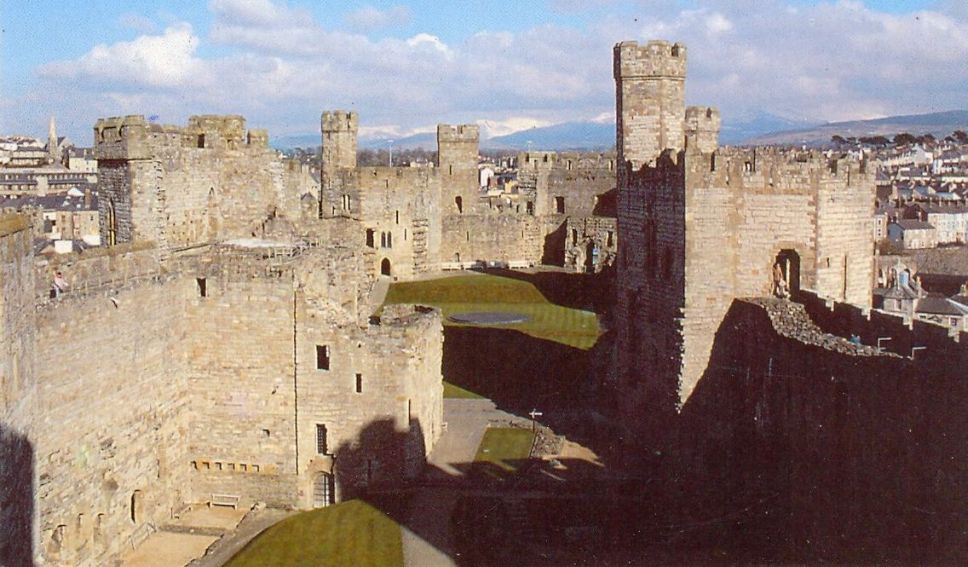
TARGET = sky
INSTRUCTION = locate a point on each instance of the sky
(510, 64)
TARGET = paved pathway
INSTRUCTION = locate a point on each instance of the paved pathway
(253, 524)
(427, 539)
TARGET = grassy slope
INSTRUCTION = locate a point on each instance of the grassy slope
(502, 443)
(353, 534)
(572, 327)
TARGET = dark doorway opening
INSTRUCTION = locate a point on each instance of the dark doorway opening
(385, 267)
(788, 262)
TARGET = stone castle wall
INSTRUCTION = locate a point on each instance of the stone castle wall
(18, 393)
(173, 369)
(834, 452)
(182, 187)
(702, 226)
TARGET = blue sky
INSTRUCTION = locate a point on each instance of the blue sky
(509, 65)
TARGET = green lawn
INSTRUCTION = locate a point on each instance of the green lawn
(501, 444)
(352, 533)
(455, 391)
(572, 327)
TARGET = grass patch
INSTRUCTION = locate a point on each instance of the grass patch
(502, 444)
(352, 533)
(572, 327)
(455, 391)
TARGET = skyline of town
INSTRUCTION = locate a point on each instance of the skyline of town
(407, 66)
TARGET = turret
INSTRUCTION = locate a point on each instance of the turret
(702, 128)
(650, 101)
(339, 130)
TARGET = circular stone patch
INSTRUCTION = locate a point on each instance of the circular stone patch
(488, 318)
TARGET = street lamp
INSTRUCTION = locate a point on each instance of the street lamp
(534, 413)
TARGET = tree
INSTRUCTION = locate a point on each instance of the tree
(904, 138)
(961, 136)
(838, 140)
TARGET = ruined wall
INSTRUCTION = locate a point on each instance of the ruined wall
(111, 416)
(242, 382)
(379, 397)
(181, 187)
(18, 393)
(591, 243)
(400, 205)
(829, 451)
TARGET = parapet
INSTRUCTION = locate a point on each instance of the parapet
(702, 128)
(121, 137)
(339, 121)
(460, 133)
(656, 59)
(258, 138)
(132, 137)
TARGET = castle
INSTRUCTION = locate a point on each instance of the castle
(224, 344)
(702, 225)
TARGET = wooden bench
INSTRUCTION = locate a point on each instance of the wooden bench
(225, 500)
(450, 266)
(519, 264)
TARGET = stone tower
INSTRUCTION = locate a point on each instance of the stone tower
(650, 100)
(457, 150)
(701, 226)
(339, 140)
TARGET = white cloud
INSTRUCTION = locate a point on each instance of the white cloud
(492, 128)
(164, 60)
(280, 67)
(369, 18)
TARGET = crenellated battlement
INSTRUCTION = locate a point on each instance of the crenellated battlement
(657, 58)
(134, 138)
(469, 133)
(702, 128)
(779, 170)
(339, 121)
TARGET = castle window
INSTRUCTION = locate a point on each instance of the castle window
(389, 240)
(369, 237)
(675, 50)
(321, 441)
(201, 141)
(136, 506)
(748, 166)
(560, 205)
(322, 357)
(574, 236)
(460, 205)
(359, 383)
(404, 234)
(202, 288)
(529, 207)
(712, 162)
(383, 240)
(608, 240)
(398, 217)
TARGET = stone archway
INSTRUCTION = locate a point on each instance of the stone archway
(385, 268)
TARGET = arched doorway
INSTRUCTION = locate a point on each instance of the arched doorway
(788, 263)
(323, 490)
(385, 267)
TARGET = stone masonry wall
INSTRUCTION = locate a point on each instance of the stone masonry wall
(18, 393)
(111, 417)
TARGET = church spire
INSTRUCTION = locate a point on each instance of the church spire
(52, 141)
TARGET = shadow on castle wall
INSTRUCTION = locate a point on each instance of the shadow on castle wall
(16, 498)
(806, 454)
(553, 253)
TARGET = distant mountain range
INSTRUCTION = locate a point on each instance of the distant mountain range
(939, 124)
(760, 129)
